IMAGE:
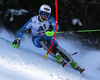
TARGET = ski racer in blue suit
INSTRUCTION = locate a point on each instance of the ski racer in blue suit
(39, 24)
(38, 30)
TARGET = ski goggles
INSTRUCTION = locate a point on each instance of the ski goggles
(44, 13)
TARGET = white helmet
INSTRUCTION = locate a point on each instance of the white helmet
(45, 10)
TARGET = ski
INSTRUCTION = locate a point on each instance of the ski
(81, 70)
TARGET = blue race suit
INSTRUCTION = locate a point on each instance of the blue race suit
(38, 30)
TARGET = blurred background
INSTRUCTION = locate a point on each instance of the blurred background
(73, 15)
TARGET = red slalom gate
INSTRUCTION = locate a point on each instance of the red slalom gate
(56, 7)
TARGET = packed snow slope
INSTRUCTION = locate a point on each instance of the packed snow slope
(27, 63)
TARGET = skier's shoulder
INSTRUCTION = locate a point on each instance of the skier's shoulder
(34, 17)
(31, 20)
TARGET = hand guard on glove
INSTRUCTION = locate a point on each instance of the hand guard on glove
(50, 33)
(16, 43)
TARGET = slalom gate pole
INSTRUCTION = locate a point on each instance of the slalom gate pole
(55, 29)
(6, 40)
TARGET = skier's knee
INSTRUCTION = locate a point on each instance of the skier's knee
(36, 42)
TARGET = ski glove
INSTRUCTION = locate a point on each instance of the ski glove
(16, 43)
(50, 33)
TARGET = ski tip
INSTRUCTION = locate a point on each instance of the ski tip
(82, 71)
(64, 64)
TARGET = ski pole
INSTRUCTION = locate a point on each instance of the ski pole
(73, 54)
(88, 30)
(14, 45)
(85, 30)
(51, 33)
(6, 40)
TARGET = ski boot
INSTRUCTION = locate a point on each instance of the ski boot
(76, 66)
(60, 60)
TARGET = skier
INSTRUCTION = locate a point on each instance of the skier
(39, 24)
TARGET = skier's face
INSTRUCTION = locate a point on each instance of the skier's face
(44, 17)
